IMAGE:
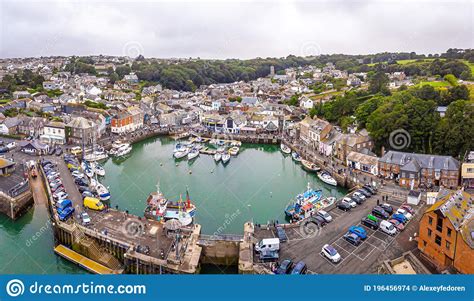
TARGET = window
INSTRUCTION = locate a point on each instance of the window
(448, 244)
(439, 224)
(438, 240)
(430, 220)
(449, 232)
(429, 232)
(424, 243)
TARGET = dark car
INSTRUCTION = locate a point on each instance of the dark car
(357, 199)
(369, 188)
(269, 256)
(408, 208)
(380, 213)
(65, 213)
(320, 220)
(344, 206)
(80, 182)
(387, 208)
(299, 268)
(58, 151)
(281, 234)
(51, 151)
(370, 223)
(82, 188)
(284, 267)
(352, 238)
(364, 192)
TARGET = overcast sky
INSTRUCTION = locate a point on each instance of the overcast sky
(232, 29)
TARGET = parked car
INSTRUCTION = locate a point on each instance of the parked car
(281, 234)
(365, 192)
(399, 225)
(343, 206)
(369, 188)
(86, 220)
(284, 267)
(60, 196)
(11, 145)
(357, 199)
(368, 222)
(331, 253)
(82, 188)
(319, 220)
(408, 208)
(57, 189)
(77, 174)
(387, 207)
(359, 231)
(380, 213)
(352, 238)
(65, 213)
(58, 151)
(299, 268)
(350, 202)
(400, 217)
(269, 255)
(87, 193)
(405, 213)
(388, 228)
(51, 151)
(325, 215)
(360, 195)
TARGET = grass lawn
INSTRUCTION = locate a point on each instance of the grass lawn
(471, 91)
(4, 101)
(471, 65)
(406, 62)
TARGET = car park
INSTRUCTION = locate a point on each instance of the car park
(399, 225)
(281, 234)
(352, 238)
(405, 213)
(284, 267)
(299, 268)
(380, 213)
(325, 215)
(359, 231)
(387, 207)
(368, 222)
(349, 201)
(343, 206)
(331, 253)
(400, 217)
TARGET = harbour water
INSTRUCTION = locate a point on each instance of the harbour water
(256, 185)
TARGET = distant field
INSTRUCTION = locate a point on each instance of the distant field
(471, 91)
(435, 84)
(471, 65)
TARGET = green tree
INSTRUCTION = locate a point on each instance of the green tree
(364, 110)
(378, 83)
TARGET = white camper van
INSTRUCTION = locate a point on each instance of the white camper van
(268, 244)
(388, 227)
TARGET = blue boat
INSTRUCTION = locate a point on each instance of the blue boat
(303, 203)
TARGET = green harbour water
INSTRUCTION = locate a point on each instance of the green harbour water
(256, 185)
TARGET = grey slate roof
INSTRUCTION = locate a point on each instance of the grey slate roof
(422, 160)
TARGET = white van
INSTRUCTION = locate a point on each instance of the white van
(388, 228)
(268, 244)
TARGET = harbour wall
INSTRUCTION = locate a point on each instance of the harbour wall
(14, 207)
(220, 250)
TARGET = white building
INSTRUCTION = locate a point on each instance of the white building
(54, 133)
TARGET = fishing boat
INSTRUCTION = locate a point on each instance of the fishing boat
(285, 149)
(98, 169)
(296, 157)
(225, 158)
(304, 203)
(102, 192)
(194, 153)
(89, 171)
(123, 150)
(234, 150)
(181, 206)
(179, 148)
(156, 206)
(97, 155)
(181, 154)
(217, 157)
(327, 178)
(309, 166)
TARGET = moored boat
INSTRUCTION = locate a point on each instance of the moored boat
(304, 204)
(217, 157)
(285, 149)
(225, 158)
(194, 153)
(234, 150)
(309, 166)
(96, 156)
(123, 150)
(98, 169)
(181, 154)
(327, 178)
(296, 157)
(102, 191)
